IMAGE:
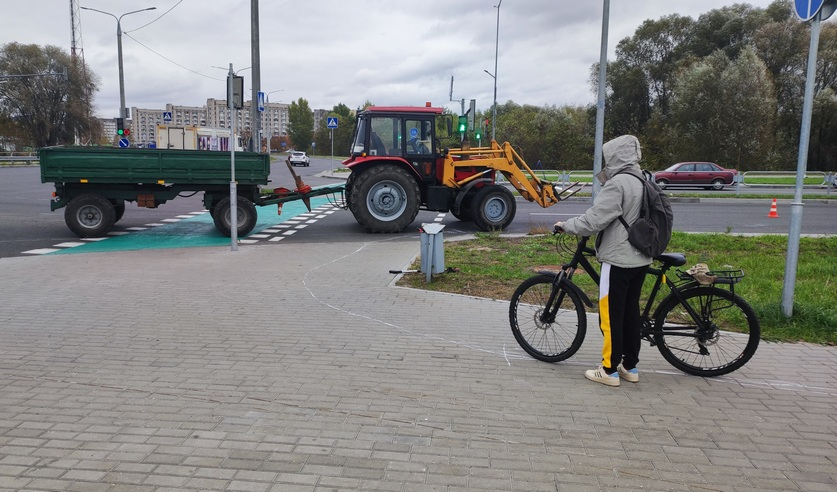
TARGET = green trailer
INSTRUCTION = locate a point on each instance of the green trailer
(92, 184)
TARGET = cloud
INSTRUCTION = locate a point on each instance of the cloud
(344, 51)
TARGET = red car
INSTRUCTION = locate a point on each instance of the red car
(704, 174)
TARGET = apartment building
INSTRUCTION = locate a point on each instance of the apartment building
(214, 114)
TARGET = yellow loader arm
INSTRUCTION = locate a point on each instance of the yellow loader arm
(505, 160)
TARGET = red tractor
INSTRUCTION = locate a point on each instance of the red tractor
(398, 168)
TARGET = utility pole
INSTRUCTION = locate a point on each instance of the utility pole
(255, 115)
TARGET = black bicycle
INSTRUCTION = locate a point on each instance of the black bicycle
(699, 328)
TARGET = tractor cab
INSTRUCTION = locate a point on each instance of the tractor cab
(396, 131)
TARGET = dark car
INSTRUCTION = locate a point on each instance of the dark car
(704, 174)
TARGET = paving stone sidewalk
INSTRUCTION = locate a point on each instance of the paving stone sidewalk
(292, 366)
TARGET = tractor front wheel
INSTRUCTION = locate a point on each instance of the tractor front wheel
(493, 208)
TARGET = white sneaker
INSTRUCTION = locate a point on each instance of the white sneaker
(630, 375)
(600, 376)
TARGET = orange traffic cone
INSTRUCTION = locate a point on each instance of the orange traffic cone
(774, 214)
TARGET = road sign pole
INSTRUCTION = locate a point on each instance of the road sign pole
(331, 124)
(600, 103)
(792, 256)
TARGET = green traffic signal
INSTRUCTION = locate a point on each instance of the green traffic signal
(463, 124)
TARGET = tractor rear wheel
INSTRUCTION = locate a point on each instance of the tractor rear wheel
(384, 198)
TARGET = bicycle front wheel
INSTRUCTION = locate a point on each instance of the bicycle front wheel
(725, 340)
(547, 320)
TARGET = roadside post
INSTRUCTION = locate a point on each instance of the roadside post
(332, 125)
(813, 11)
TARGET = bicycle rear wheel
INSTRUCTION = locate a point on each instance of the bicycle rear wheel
(544, 332)
(728, 340)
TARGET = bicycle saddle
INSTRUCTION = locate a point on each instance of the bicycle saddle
(672, 259)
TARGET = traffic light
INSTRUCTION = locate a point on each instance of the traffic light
(120, 126)
(463, 124)
(478, 134)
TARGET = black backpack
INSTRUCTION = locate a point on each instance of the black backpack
(651, 232)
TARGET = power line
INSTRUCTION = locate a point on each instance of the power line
(155, 20)
(170, 60)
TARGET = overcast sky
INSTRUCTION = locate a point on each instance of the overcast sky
(344, 51)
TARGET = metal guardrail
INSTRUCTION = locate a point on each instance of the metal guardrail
(819, 176)
(18, 156)
(822, 179)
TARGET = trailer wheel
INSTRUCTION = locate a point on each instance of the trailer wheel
(384, 198)
(493, 208)
(89, 215)
(119, 210)
(246, 216)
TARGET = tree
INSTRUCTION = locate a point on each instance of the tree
(656, 49)
(628, 100)
(725, 111)
(823, 149)
(342, 134)
(301, 124)
(560, 137)
(46, 109)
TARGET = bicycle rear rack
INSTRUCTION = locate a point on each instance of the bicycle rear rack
(723, 277)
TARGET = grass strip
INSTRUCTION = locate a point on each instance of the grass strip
(492, 266)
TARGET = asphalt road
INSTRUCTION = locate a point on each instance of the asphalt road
(27, 224)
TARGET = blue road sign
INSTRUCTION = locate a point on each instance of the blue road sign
(261, 101)
(332, 123)
(167, 116)
(808, 9)
(124, 143)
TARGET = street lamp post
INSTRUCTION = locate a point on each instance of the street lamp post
(494, 75)
(270, 128)
(493, 106)
(119, 52)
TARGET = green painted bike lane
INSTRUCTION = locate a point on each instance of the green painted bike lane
(194, 232)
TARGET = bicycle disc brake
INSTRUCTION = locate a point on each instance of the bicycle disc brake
(540, 322)
(708, 337)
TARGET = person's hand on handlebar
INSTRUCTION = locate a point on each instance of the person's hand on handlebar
(558, 228)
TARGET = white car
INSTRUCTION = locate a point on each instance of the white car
(299, 159)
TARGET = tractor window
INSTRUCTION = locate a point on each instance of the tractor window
(419, 137)
(360, 136)
(385, 138)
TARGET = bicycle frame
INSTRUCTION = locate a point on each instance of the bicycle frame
(580, 258)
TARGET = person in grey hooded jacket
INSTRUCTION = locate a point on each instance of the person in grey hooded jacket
(623, 267)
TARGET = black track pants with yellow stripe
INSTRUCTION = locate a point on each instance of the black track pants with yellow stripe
(619, 318)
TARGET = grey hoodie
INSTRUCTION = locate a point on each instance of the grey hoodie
(620, 195)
